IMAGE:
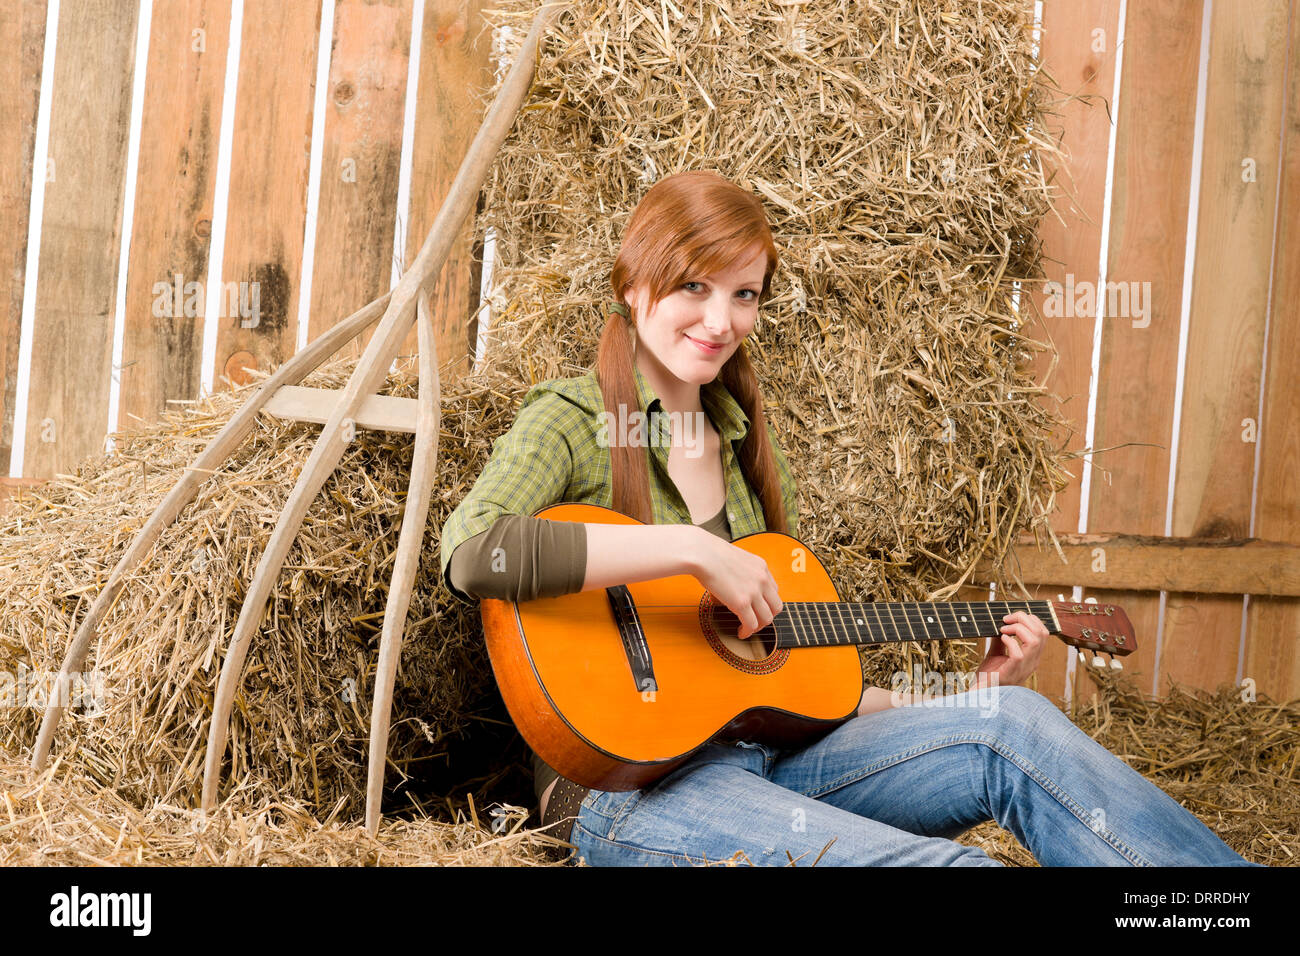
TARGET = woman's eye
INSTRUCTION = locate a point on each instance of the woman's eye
(688, 284)
(751, 293)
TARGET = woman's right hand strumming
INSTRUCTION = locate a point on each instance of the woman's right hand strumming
(622, 554)
(740, 580)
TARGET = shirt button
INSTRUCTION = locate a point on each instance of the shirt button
(731, 516)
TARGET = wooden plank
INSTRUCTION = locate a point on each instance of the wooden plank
(377, 412)
(455, 69)
(361, 160)
(1078, 51)
(1201, 638)
(1151, 563)
(1273, 624)
(22, 29)
(162, 343)
(72, 343)
(267, 205)
(1138, 370)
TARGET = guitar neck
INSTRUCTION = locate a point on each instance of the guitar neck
(824, 623)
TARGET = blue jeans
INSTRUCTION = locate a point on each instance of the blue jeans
(893, 788)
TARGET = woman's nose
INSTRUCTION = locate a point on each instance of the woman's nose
(717, 318)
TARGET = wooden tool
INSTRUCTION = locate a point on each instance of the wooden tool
(342, 413)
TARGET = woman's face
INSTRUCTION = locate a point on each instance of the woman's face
(696, 328)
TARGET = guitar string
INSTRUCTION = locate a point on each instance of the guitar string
(812, 628)
(814, 625)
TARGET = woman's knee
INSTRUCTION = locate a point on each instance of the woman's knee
(1020, 716)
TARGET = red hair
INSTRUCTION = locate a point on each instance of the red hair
(687, 225)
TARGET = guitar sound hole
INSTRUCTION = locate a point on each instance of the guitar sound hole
(757, 647)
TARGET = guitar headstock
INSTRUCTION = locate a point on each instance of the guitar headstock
(1101, 628)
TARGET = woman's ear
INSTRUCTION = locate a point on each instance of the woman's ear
(635, 297)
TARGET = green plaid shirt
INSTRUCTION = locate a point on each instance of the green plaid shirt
(554, 453)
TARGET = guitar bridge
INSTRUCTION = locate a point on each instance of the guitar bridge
(633, 637)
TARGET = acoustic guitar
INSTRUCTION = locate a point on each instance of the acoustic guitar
(616, 687)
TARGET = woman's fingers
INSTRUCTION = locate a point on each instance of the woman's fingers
(773, 596)
(748, 622)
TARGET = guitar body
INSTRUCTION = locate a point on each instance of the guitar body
(573, 689)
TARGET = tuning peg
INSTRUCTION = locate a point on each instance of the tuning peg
(1097, 661)
(1116, 664)
(1082, 659)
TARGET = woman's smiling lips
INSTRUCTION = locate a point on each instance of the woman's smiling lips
(705, 347)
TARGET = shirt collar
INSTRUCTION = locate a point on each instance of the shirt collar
(724, 411)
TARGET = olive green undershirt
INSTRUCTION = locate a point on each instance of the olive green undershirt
(551, 560)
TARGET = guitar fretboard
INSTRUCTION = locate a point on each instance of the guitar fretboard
(823, 623)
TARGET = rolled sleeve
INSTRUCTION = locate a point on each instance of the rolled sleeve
(529, 468)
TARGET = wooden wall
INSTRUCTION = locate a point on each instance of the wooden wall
(141, 150)
(1182, 122)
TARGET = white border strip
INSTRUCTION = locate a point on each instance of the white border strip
(1103, 265)
(484, 296)
(1185, 308)
(138, 84)
(1038, 29)
(402, 212)
(220, 203)
(324, 57)
(501, 37)
(1094, 367)
(31, 268)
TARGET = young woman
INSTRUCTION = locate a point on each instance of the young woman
(891, 786)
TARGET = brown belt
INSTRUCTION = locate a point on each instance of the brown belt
(565, 801)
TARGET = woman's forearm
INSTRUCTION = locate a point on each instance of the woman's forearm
(621, 553)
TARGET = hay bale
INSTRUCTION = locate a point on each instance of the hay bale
(898, 148)
(300, 727)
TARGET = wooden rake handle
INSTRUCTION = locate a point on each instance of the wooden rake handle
(218, 450)
(424, 466)
(370, 372)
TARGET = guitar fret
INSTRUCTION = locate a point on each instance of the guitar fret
(810, 632)
(962, 618)
(906, 609)
(880, 636)
(880, 623)
(927, 620)
(893, 622)
(801, 633)
(892, 633)
(822, 637)
(956, 626)
(993, 620)
(845, 621)
(858, 612)
(811, 621)
(781, 626)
